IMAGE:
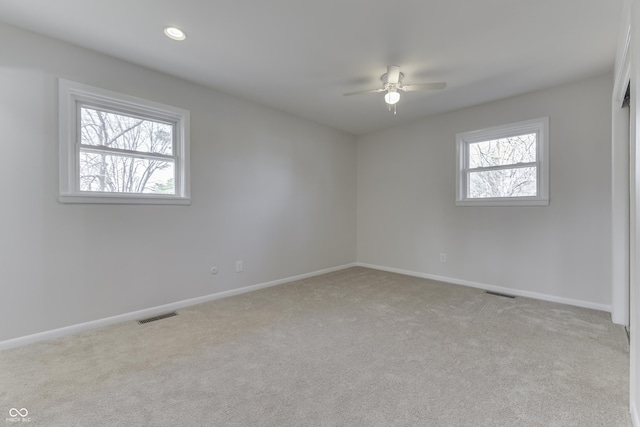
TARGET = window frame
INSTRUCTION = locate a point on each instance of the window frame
(540, 127)
(72, 96)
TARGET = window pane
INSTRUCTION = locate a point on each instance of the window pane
(504, 151)
(121, 174)
(514, 182)
(112, 130)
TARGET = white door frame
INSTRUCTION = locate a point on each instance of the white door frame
(621, 183)
(632, 17)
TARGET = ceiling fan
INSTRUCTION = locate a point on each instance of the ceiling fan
(392, 84)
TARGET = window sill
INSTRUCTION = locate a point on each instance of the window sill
(120, 199)
(504, 202)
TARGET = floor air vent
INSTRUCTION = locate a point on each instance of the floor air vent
(159, 317)
(498, 294)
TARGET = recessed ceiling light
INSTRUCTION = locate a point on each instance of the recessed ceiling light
(175, 33)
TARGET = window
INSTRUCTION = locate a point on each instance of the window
(116, 148)
(504, 165)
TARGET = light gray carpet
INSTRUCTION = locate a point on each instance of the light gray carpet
(357, 347)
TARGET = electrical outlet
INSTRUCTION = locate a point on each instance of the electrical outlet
(443, 257)
(239, 266)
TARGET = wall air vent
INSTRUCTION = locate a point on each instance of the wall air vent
(159, 317)
(498, 294)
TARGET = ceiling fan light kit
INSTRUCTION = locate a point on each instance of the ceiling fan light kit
(392, 84)
(392, 97)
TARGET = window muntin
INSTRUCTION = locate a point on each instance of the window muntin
(503, 165)
(118, 149)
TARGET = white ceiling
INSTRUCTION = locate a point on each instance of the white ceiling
(300, 56)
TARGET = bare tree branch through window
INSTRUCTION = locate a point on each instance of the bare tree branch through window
(124, 154)
(503, 167)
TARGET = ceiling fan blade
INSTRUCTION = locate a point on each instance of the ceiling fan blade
(411, 88)
(364, 91)
(393, 74)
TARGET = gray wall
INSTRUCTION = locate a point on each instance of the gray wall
(273, 190)
(406, 196)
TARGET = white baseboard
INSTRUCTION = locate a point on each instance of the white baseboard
(135, 315)
(635, 420)
(501, 289)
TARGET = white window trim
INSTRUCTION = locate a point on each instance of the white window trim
(70, 94)
(539, 126)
